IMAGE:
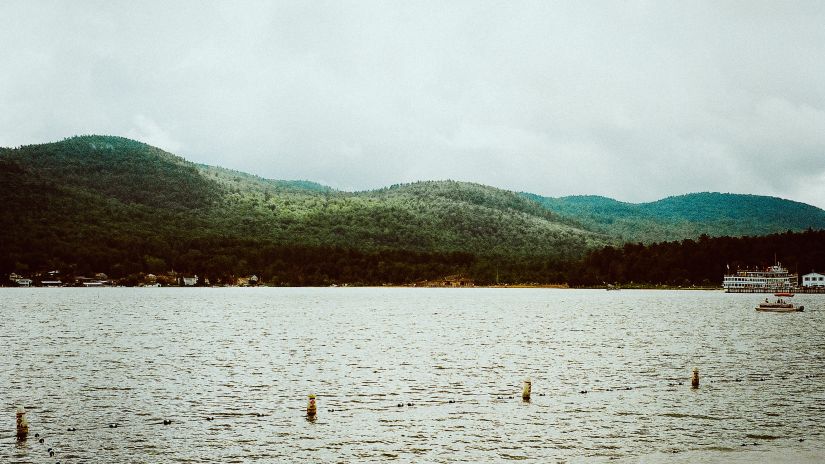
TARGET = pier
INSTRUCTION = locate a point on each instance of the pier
(798, 290)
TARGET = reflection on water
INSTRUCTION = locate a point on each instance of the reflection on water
(426, 375)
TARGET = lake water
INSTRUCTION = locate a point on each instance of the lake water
(88, 358)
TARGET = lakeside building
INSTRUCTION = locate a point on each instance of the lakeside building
(449, 281)
(770, 280)
(813, 279)
(250, 281)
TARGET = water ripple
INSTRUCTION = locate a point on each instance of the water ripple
(231, 369)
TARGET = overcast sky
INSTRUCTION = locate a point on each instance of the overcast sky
(632, 100)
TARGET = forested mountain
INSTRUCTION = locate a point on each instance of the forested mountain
(686, 216)
(99, 203)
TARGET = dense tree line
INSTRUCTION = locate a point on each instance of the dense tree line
(699, 262)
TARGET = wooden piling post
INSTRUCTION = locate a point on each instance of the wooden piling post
(525, 393)
(312, 409)
(22, 424)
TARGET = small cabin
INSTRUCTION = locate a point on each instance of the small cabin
(813, 280)
(458, 281)
(23, 282)
(449, 281)
(250, 281)
(190, 281)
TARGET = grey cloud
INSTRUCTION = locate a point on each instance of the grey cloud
(633, 100)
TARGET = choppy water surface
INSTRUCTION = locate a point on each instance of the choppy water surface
(87, 358)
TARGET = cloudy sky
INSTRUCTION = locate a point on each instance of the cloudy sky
(634, 100)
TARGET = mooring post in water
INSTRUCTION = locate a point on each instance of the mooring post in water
(22, 424)
(311, 408)
(525, 393)
(694, 382)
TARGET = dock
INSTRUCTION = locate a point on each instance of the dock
(798, 290)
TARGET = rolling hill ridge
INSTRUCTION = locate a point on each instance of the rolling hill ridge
(686, 216)
(110, 203)
(91, 203)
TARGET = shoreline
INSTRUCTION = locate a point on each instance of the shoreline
(514, 286)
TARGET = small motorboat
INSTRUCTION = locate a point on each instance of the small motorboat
(783, 294)
(779, 306)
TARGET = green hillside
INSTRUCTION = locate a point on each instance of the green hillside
(686, 216)
(443, 216)
(118, 168)
(99, 203)
(81, 202)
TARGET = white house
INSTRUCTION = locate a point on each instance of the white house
(813, 280)
(190, 281)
